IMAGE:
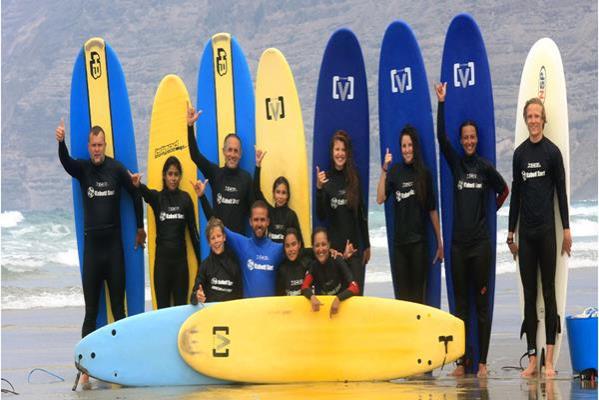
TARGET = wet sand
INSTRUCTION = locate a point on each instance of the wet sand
(45, 338)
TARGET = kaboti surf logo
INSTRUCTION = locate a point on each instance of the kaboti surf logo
(275, 108)
(220, 341)
(401, 80)
(542, 84)
(95, 65)
(463, 74)
(343, 88)
(221, 61)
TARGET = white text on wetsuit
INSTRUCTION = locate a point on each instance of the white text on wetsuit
(533, 174)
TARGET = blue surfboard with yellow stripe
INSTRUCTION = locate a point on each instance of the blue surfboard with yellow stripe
(99, 97)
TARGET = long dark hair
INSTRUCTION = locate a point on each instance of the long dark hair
(417, 162)
(172, 160)
(352, 185)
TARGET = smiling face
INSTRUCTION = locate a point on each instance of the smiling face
(96, 146)
(534, 121)
(216, 240)
(172, 177)
(281, 195)
(407, 150)
(469, 139)
(259, 221)
(339, 155)
(322, 247)
(292, 247)
(232, 152)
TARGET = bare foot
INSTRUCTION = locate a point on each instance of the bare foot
(458, 371)
(83, 379)
(482, 371)
(549, 370)
(532, 367)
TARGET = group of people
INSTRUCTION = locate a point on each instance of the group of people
(274, 261)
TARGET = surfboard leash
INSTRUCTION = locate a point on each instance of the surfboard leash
(60, 379)
(9, 391)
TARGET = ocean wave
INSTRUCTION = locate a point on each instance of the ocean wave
(20, 299)
(69, 257)
(10, 219)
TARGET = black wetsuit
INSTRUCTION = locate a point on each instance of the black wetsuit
(103, 249)
(281, 218)
(410, 260)
(538, 173)
(220, 277)
(333, 278)
(291, 274)
(345, 222)
(471, 250)
(173, 212)
(232, 191)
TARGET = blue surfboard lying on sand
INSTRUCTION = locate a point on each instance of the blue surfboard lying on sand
(140, 351)
(226, 98)
(341, 103)
(99, 97)
(404, 99)
(465, 68)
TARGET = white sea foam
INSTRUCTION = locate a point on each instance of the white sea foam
(69, 257)
(41, 298)
(10, 219)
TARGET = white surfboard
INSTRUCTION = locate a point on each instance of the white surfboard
(543, 77)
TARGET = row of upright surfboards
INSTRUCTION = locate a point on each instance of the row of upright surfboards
(272, 120)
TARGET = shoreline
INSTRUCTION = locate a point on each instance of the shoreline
(45, 338)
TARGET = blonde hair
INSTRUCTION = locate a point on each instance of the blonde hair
(537, 101)
(214, 223)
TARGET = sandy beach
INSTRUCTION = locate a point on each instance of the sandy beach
(45, 338)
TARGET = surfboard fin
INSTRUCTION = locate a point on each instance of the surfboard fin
(445, 340)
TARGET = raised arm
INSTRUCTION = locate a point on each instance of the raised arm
(207, 167)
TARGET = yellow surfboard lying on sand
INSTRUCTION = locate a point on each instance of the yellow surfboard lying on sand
(168, 137)
(281, 340)
(280, 132)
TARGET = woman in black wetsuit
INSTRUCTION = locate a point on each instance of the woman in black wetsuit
(327, 275)
(293, 268)
(281, 216)
(173, 211)
(339, 202)
(410, 185)
(471, 251)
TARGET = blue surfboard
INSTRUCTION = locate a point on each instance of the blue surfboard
(140, 351)
(107, 106)
(404, 99)
(465, 68)
(223, 60)
(341, 103)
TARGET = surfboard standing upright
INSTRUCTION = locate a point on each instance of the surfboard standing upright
(280, 132)
(226, 98)
(543, 77)
(404, 99)
(465, 68)
(168, 137)
(99, 97)
(341, 103)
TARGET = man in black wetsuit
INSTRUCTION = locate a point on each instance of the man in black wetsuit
(538, 174)
(101, 179)
(232, 190)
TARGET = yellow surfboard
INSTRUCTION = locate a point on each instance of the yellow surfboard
(280, 132)
(168, 137)
(281, 340)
